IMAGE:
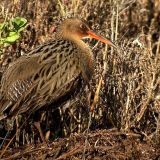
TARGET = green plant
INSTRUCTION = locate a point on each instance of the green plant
(10, 31)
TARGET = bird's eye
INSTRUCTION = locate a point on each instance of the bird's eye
(81, 26)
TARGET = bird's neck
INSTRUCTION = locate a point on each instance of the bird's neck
(84, 55)
(75, 39)
(86, 59)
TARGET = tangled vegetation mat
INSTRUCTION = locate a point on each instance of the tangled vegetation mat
(97, 145)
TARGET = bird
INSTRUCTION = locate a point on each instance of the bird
(50, 71)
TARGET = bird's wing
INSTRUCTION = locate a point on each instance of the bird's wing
(16, 82)
(40, 77)
(17, 78)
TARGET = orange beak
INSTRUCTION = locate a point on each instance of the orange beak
(100, 38)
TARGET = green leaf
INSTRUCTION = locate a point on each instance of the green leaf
(19, 23)
(13, 36)
(1, 26)
(4, 26)
(10, 31)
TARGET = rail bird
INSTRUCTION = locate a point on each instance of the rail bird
(50, 71)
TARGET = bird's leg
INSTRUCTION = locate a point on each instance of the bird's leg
(96, 96)
(38, 126)
(4, 139)
(18, 118)
(9, 127)
(90, 96)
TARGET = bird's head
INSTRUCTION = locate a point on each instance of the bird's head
(74, 28)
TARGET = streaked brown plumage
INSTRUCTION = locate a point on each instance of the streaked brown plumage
(48, 72)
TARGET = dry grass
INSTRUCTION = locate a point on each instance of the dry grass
(129, 96)
(102, 145)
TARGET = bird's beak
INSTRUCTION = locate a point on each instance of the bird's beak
(100, 38)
